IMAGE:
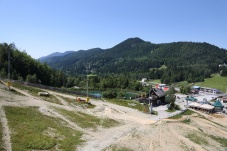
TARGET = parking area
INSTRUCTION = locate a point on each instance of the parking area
(162, 113)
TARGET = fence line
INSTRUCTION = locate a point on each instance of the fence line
(51, 88)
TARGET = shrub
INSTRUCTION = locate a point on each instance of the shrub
(173, 106)
(110, 94)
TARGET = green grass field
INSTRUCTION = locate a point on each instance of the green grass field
(88, 121)
(216, 81)
(32, 130)
(156, 81)
(127, 103)
(187, 112)
(1, 141)
(34, 91)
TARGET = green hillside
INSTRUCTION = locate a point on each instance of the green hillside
(216, 81)
(184, 61)
(120, 66)
(24, 68)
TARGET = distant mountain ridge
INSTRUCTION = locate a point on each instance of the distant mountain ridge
(135, 55)
(55, 54)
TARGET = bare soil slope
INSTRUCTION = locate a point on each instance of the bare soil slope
(136, 132)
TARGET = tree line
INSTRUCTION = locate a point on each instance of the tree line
(119, 67)
(24, 68)
(183, 61)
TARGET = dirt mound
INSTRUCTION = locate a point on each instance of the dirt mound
(136, 130)
(218, 116)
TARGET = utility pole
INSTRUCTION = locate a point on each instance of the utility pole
(8, 64)
(87, 81)
(8, 83)
(87, 99)
(150, 103)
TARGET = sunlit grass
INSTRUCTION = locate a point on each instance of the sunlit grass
(34, 91)
(1, 135)
(16, 92)
(117, 148)
(156, 81)
(88, 121)
(221, 140)
(212, 121)
(75, 102)
(187, 112)
(216, 81)
(127, 103)
(171, 111)
(198, 138)
(32, 130)
(51, 98)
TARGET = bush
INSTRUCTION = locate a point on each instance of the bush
(110, 94)
(173, 106)
(154, 112)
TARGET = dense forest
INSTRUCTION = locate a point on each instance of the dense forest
(24, 68)
(170, 62)
(120, 67)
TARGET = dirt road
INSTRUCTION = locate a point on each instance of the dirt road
(137, 130)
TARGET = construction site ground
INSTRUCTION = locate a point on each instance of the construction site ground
(137, 131)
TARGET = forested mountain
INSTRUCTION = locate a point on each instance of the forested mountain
(55, 54)
(23, 67)
(191, 61)
(119, 66)
(75, 58)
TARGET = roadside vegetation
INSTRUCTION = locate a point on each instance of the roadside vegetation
(11, 90)
(88, 121)
(51, 98)
(16, 92)
(35, 131)
(156, 81)
(127, 103)
(198, 138)
(212, 121)
(34, 91)
(1, 135)
(187, 112)
(77, 103)
(221, 140)
(216, 81)
(117, 148)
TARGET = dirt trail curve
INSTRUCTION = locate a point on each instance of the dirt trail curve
(97, 140)
(61, 100)
(137, 131)
(6, 133)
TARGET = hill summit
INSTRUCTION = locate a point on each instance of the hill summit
(136, 56)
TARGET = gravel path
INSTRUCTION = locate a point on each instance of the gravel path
(6, 133)
(137, 131)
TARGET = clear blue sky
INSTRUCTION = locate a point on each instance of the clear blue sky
(41, 27)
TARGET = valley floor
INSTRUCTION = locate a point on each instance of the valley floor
(137, 131)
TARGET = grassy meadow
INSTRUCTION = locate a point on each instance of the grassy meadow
(88, 121)
(127, 103)
(1, 135)
(32, 130)
(216, 81)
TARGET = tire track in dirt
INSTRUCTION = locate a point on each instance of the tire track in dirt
(107, 137)
(6, 132)
(63, 102)
(181, 138)
(51, 112)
